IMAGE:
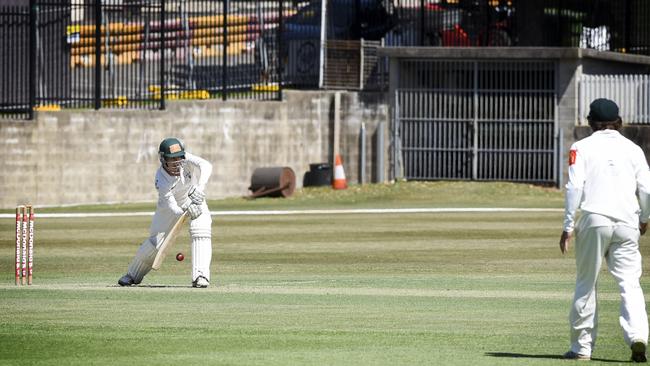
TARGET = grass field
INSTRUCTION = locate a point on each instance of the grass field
(450, 288)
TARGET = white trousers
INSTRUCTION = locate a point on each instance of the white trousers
(618, 244)
(201, 236)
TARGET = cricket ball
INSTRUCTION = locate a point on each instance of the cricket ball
(180, 257)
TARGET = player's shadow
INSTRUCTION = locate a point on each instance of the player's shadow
(551, 357)
(166, 286)
(155, 286)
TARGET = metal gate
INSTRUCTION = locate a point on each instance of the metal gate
(478, 120)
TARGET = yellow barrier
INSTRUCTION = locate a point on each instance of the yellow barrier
(265, 87)
(127, 46)
(119, 28)
(114, 40)
(170, 43)
(129, 57)
(48, 108)
(178, 95)
(120, 101)
(113, 28)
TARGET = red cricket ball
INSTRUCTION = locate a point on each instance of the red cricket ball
(180, 257)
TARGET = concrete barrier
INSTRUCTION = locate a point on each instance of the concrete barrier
(86, 157)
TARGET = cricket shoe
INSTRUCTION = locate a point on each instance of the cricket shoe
(576, 356)
(638, 352)
(126, 280)
(201, 282)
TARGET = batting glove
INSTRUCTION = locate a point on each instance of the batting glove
(196, 195)
(194, 211)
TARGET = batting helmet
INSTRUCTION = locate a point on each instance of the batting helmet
(171, 147)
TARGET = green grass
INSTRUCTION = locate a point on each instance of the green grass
(317, 289)
(398, 195)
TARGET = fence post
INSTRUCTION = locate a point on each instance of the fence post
(98, 54)
(362, 154)
(398, 172)
(224, 66)
(626, 24)
(560, 159)
(379, 152)
(475, 126)
(323, 43)
(32, 58)
(280, 69)
(422, 12)
(361, 62)
(163, 50)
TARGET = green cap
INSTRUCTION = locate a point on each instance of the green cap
(171, 147)
(603, 110)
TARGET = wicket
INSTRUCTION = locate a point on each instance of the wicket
(24, 244)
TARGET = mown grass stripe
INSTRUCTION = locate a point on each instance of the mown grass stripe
(303, 212)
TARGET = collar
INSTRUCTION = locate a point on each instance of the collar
(172, 177)
(607, 132)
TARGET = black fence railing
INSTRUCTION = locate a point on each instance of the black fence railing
(136, 53)
(112, 56)
(140, 53)
(608, 25)
(16, 69)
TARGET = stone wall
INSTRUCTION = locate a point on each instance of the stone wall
(107, 156)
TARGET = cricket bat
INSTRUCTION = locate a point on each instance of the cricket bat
(168, 241)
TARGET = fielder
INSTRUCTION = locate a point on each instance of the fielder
(180, 181)
(605, 172)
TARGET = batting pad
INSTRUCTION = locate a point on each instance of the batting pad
(201, 257)
(141, 264)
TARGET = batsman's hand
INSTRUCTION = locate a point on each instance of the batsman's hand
(194, 211)
(196, 195)
(564, 242)
(643, 226)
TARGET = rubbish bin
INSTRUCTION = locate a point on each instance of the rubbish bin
(319, 174)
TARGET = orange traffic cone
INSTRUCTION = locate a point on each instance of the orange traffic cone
(339, 175)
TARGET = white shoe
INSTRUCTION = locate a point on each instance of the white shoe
(201, 282)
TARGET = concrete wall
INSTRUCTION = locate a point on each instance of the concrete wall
(84, 157)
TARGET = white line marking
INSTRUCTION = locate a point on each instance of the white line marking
(320, 291)
(382, 211)
(301, 212)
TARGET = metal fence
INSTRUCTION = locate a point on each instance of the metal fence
(631, 93)
(15, 66)
(607, 25)
(353, 65)
(140, 53)
(136, 53)
(112, 56)
(476, 120)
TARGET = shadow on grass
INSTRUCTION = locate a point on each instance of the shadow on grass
(154, 286)
(551, 357)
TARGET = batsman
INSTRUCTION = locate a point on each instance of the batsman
(180, 182)
(609, 180)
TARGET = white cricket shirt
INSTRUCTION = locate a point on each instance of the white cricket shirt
(605, 171)
(173, 190)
